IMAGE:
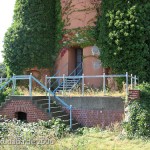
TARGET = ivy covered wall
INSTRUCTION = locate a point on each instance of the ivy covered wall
(32, 40)
(124, 36)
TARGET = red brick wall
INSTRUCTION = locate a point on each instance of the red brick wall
(86, 117)
(33, 113)
(102, 118)
(91, 118)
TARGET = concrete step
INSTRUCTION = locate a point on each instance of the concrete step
(64, 117)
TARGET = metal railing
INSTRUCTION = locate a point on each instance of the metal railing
(50, 93)
(47, 81)
(60, 81)
(5, 84)
(134, 81)
(104, 77)
(74, 71)
(59, 71)
(3, 80)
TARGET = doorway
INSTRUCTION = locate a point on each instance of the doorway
(79, 59)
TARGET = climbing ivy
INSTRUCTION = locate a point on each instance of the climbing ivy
(124, 36)
(81, 37)
(32, 39)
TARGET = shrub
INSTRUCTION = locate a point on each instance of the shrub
(6, 92)
(139, 114)
(60, 129)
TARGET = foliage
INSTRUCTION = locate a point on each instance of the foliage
(6, 92)
(30, 131)
(35, 136)
(82, 37)
(2, 70)
(124, 36)
(57, 125)
(139, 114)
(3, 129)
(32, 38)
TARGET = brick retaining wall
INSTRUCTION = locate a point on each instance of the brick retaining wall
(96, 111)
(88, 111)
(26, 106)
(91, 118)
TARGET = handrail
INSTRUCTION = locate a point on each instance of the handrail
(45, 88)
(21, 77)
(57, 98)
(97, 76)
(6, 83)
(79, 72)
(49, 91)
(48, 79)
(60, 70)
(2, 80)
(75, 69)
(54, 83)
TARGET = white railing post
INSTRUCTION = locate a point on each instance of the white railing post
(63, 83)
(135, 81)
(50, 83)
(104, 84)
(30, 84)
(49, 101)
(14, 85)
(46, 83)
(126, 86)
(131, 82)
(82, 84)
(70, 117)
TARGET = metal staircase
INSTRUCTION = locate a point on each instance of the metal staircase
(69, 82)
(67, 85)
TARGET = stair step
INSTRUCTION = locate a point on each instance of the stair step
(64, 117)
(58, 112)
(41, 101)
(65, 88)
(53, 108)
(39, 97)
(72, 78)
(76, 126)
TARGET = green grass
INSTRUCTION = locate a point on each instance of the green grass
(92, 139)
